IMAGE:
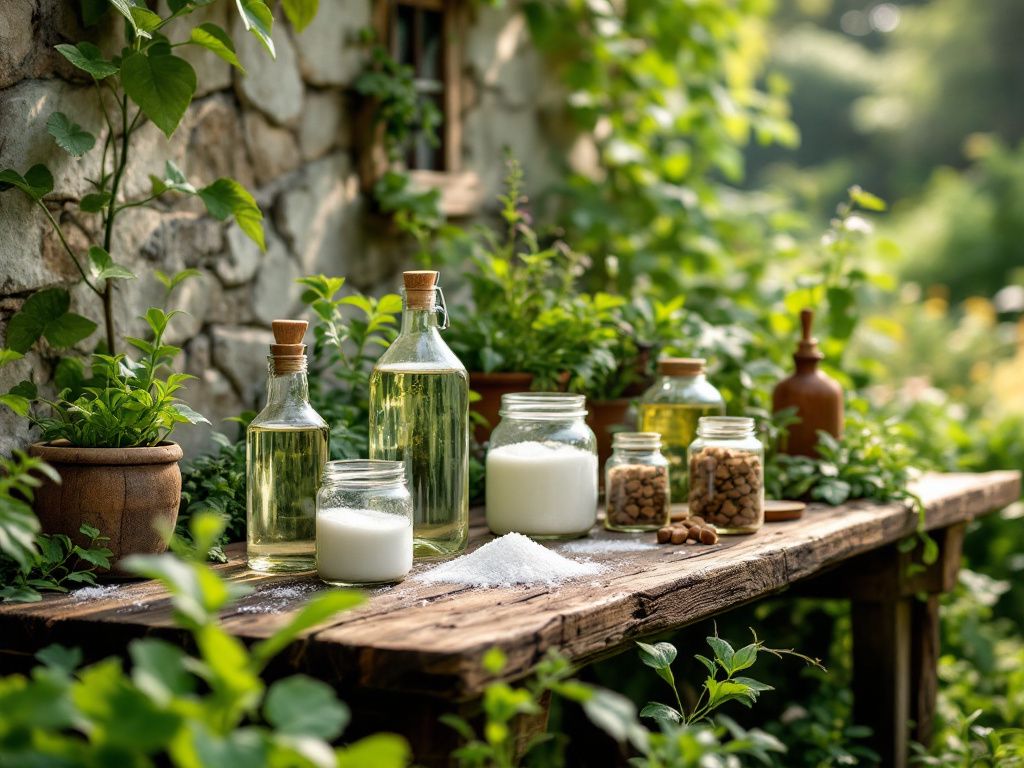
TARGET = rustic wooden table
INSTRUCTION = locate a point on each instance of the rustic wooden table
(415, 649)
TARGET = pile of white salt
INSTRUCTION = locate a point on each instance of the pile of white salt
(509, 560)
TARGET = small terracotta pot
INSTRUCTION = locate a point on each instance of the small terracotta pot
(129, 494)
(604, 416)
(490, 387)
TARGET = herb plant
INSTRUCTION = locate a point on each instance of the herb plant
(131, 402)
(31, 562)
(351, 331)
(523, 310)
(169, 707)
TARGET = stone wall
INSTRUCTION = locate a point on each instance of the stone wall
(285, 131)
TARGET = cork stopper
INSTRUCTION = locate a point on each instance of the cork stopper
(807, 349)
(419, 288)
(681, 366)
(288, 351)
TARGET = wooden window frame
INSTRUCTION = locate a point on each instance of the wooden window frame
(460, 188)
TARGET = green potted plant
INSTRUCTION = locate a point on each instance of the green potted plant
(515, 335)
(108, 435)
(107, 438)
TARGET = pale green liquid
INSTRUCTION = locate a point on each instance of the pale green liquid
(284, 469)
(421, 417)
(677, 425)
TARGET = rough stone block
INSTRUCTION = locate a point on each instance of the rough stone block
(329, 49)
(215, 145)
(273, 150)
(240, 353)
(271, 85)
(241, 259)
(321, 216)
(276, 294)
(325, 124)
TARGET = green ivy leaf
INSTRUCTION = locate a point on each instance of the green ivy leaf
(226, 197)
(381, 750)
(69, 135)
(258, 19)
(9, 356)
(213, 38)
(866, 200)
(105, 268)
(191, 416)
(300, 12)
(36, 183)
(744, 658)
(88, 58)
(723, 651)
(170, 282)
(302, 706)
(661, 713)
(45, 313)
(161, 84)
(159, 669)
(94, 202)
(129, 9)
(615, 714)
(242, 748)
(16, 403)
(658, 656)
(60, 658)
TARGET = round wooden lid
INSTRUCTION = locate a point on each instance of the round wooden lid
(419, 288)
(681, 366)
(778, 510)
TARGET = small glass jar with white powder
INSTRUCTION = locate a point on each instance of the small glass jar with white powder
(542, 467)
(363, 523)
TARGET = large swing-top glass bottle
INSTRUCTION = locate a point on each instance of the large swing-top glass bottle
(419, 414)
(286, 449)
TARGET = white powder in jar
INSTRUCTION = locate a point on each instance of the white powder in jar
(362, 546)
(512, 559)
(541, 489)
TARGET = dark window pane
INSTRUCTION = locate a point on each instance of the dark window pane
(403, 42)
(431, 42)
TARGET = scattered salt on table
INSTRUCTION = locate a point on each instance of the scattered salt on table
(604, 546)
(96, 593)
(509, 560)
(276, 599)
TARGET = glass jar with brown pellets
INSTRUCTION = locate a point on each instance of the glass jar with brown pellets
(726, 464)
(636, 483)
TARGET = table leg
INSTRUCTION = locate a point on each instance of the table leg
(881, 675)
(924, 659)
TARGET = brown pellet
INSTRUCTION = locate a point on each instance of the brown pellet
(665, 535)
(678, 536)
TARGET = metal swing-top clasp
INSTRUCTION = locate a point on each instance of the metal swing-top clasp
(441, 307)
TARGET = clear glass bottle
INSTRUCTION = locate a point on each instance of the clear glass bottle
(671, 407)
(727, 474)
(636, 484)
(542, 467)
(419, 414)
(286, 449)
(363, 523)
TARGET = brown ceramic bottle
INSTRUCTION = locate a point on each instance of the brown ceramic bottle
(818, 399)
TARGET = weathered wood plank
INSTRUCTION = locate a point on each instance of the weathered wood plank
(430, 638)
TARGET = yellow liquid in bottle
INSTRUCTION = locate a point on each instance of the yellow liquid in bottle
(419, 416)
(677, 424)
(284, 472)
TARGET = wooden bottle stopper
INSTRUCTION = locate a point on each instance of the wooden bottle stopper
(289, 352)
(420, 290)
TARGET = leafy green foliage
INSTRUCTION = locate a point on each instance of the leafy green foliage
(214, 38)
(57, 565)
(397, 106)
(207, 710)
(131, 404)
(215, 483)
(18, 523)
(37, 181)
(45, 314)
(161, 84)
(69, 135)
(351, 332)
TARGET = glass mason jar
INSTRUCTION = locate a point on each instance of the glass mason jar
(364, 518)
(636, 484)
(727, 474)
(542, 467)
(671, 407)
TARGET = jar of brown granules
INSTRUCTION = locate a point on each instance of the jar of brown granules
(636, 483)
(726, 464)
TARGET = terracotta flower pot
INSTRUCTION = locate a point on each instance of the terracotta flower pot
(129, 494)
(490, 387)
(604, 416)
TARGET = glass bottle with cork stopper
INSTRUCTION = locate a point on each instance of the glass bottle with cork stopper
(419, 414)
(286, 449)
(672, 407)
(818, 398)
